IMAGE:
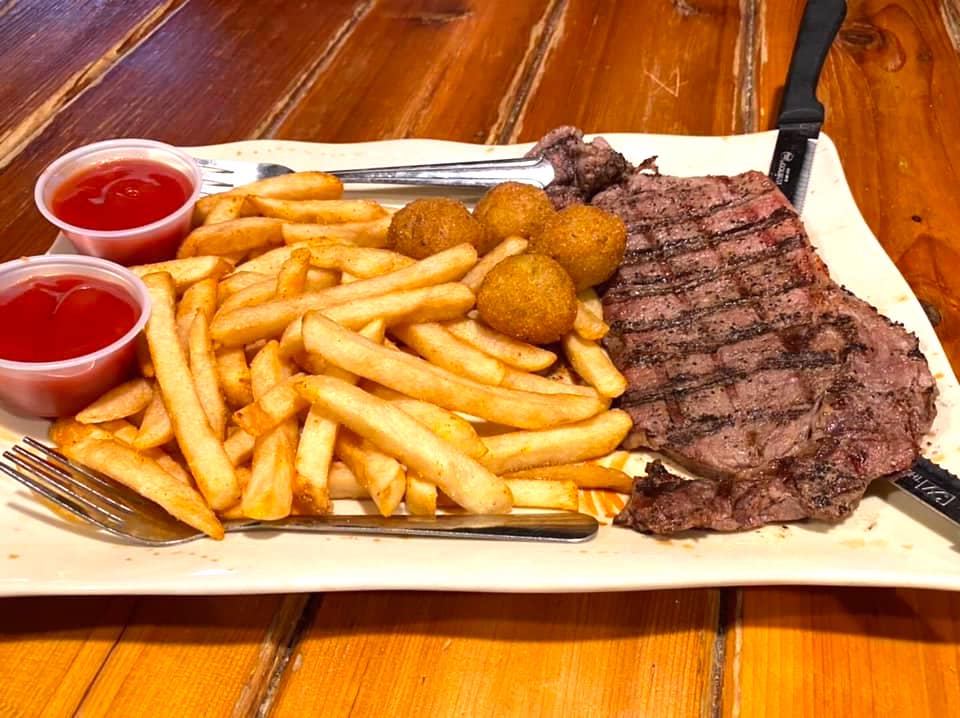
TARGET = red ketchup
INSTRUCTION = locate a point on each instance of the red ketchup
(49, 319)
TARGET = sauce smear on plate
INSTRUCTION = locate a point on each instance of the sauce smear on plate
(53, 318)
(121, 195)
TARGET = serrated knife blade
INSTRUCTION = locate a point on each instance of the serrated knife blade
(801, 113)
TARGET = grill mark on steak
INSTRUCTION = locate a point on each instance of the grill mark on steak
(746, 363)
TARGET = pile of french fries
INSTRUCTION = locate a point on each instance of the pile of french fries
(290, 359)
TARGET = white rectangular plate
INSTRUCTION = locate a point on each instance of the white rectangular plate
(889, 541)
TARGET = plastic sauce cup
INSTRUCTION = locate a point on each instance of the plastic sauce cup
(153, 242)
(60, 388)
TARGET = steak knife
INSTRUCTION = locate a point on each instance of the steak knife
(801, 113)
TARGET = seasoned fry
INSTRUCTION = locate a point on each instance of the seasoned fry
(292, 278)
(420, 497)
(588, 325)
(592, 363)
(363, 262)
(361, 234)
(227, 208)
(343, 483)
(248, 324)
(203, 367)
(541, 385)
(298, 185)
(187, 271)
(539, 494)
(237, 281)
(234, 374)
(269, 495)
(396, 434)
(510, 351)
(322, 211)
(98, 450)
(381, 475)
(155, 427)
(239, 447)
(144, 362)
(237, 235)
(118, 403)
(579, 441)
(438, 346)
(584, 475)
(208, 462)
(200, 297)
(127, 433)
(276, 405)
(422, 380)
(266, 290)
(507, 248)
(269, 262)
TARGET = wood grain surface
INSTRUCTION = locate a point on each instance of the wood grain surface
(198, 72)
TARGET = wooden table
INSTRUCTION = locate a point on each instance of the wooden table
(206, 71)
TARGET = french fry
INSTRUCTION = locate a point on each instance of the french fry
(269, 495)
(144, 362)
(524, 381)
(317, 441)
(237, 235)
(344, 484)
(420, 497)
(507, 248)
(588, 439)
(361, 234)
(234, 374)
(298, 185)
(98, 450)
(203, 367)
(592, 363)
(200, 297)
(186, 272)
(584, 475)
(512, 352)
(591, 301)
(421, 380)
(155, 427)
(292, 278)
(239, 447)
(452, 428)
(397, 434)
(321, 211)
(438, 346)
(362, 262)
(274, 406)
(227, 208)
(205, 455)
(127, 433)
(120, 402)
(248, 324)
(538, 494)
(381, 475)
(588, 325)
(232, 284)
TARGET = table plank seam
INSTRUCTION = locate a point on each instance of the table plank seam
(32, 126)
(542, 36)
(713, 704)
(106, 659)
(290, 100)
(745, 110)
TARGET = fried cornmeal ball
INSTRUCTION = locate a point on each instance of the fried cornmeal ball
(511, 209)
(588, 242)
(427, 226)
(529, 297)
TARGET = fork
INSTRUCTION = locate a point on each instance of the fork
(224, 175)
(110, 506)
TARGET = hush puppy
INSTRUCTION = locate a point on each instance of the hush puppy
(588, 242)
(529, 297)
(430, 225)
(511, 209)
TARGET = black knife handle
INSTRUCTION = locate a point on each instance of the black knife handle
(820, 23)
(934, 486)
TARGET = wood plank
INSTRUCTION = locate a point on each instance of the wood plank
(52, 649)
(421, 69)
(891, 86)
(844, 652)
(79, 42)
(413, 654)
(609, 69)
(214, 72)
(191, 656)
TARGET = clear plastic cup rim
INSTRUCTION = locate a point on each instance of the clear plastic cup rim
(76, 264)
(195, 176)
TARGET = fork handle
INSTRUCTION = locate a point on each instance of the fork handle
(536, 171)
(566, 526)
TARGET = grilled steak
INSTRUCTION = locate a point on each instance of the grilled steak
(746, 363)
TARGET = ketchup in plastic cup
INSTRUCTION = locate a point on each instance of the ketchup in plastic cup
(69, 325)
(130, 201)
